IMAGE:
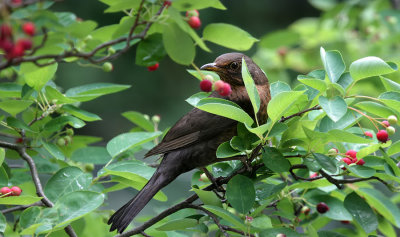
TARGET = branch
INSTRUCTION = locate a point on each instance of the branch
(395, 4)
(212, 215)
(22, 207)
(283, 119)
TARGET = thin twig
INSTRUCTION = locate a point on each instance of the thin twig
(283, 119)
(22, 207)
(212, 215)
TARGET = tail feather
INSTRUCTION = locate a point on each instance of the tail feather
(123, 216)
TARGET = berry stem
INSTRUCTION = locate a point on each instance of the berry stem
(368, 117)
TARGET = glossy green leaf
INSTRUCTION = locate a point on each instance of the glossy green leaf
(337, 211)
(208, 197)
(120, 5)
(59, 122)
(250, 87)
(224, 214)
(274, 160)
(31, 219)
(134, 167)
(391, 163)
(225, 150)
(367, 150)
(179, 224)
(369, 67)
(16, 123)
(375, 108)
(312, 82)
(334, 107)
(19, 200)
(37, 77)
(53, 150)
(273, 232)
(362, 171)
(91, 155)
(278, 87)
(224, 108)
(80, 113)
(178, 44)
(54, 94)
(260, 130)
(345, 80)
(3, 223)
(348, 120)
(381, 204)
(361, 212)
(65, 181)
(333, 63)
(390, 85)
(2, 155)
(184, 5)
(150, 51)
(8, 89)
(139, 119)
(94, 90)
(125, 141)
(326, 162)
(14, 107)
(194, 99)
(281, 103)
(240, 193)
(343, 136)
(229, 36)
(394, 148)
(3, 177)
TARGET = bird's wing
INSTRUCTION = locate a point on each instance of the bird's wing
(194, 127)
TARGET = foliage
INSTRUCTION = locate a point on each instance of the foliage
(267, 177)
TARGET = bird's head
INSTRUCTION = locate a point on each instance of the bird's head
(229, 68)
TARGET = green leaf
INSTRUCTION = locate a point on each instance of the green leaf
(362, 171)
(334, 107)
(337, 211)
(3, 223)
(94, 90)
(126, 141)
(317, 84)
(390, 85)
(2, 155)
(250, 87)
(278, 87)
(184, 5)
(3, 177)
(333, 63)
(8, 89)
(19, 200)
(178, 44)
(375, 108)
(343, 136)
(134, 167)
(16, 123)
(274, 160)
(120, 5)
(59, 122)
(65, 181)
(279, 38)
(224, 108)
(37, 77)
(228, 36)
(281, 103)
(14, 107)
(273, 232)
(80, 113)
(139, 119)
(53, 150)
(369, 67)
(208, 197)
(224, 214)
(391, 163)
(92, 155)
(225, 150)
(345, 80)
(381, 204)
(326, 162)
(361, 212)
(179, 224)
(348, 120)
(367, 150)
(240, 193)
(54, 94)
(394, 148)
(150, 51)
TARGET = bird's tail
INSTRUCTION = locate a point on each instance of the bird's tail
(121, 218)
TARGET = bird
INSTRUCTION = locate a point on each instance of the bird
(192, 142)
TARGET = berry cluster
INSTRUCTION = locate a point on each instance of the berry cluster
(66, 140)
(193, 19)
(351, 158)
(223, 88)
(6, 191)
(15, 49)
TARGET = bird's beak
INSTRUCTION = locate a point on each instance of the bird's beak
(211, 67)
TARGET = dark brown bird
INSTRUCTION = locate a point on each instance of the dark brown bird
(192, 142)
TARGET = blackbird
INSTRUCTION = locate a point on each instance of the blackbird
(192, 142)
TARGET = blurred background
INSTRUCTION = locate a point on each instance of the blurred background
(290, 33)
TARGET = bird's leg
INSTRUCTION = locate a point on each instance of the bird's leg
(213, 180)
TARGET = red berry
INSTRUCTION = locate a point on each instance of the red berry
(19, 140)
(7, 45)
(29, 28)
(382, 136)
(360, 162)
(313, 175)
(322, 207)
(345, 222)
(218, 85)
(153, 67)
(368, 134)
(16, 2)
(192, 13)
(348, 161)
(16, 191)
(5, 31)
(351, 154)
(282, 51)
(16, 52)
(206, 85)
(280, 235)
(225, 90)
(5, 190)
(25, 43)
(386, 123)
(167, 3)
(194, 22)
(306, 210)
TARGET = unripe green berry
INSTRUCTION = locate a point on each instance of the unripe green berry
(69, 132)
(390, 130)
(89, 167)
(61, 141)
(108, 67)
(156, 118)
(147, 117)
(111, 50)
(392, 120)
(68, 140)
(204, 178)
(89, 37)
(54, 101)
(208, 77)
(332, 152)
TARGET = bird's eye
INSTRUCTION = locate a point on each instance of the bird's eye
(234, 65)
